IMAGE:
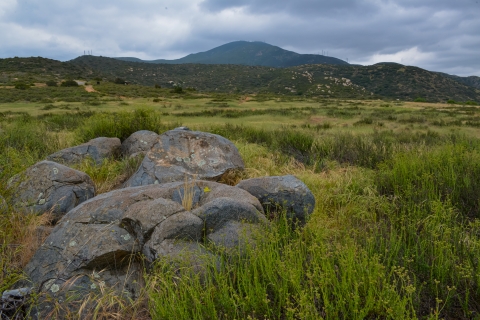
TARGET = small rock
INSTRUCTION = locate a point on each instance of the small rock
(97, 149)
(282, 193)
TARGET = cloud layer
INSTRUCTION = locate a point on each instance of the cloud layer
(439, 35)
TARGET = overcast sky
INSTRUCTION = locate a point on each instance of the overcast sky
(438, 35)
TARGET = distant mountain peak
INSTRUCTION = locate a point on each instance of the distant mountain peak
(250, 53)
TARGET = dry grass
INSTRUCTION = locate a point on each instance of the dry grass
(20, 237)
(188, 193)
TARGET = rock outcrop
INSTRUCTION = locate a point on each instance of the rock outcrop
(281, 193)
(180, 153)
(100, 238)
(139, 143)
(50, 186)
(97, 149)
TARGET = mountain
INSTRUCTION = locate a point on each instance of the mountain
(389, 80)
(472, 81)
(250, 54)
(383, 80)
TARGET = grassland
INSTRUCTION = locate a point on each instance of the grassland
(395, 233)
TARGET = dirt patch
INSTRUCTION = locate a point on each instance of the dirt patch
(39, 84)
(89, 88)
(244, 99)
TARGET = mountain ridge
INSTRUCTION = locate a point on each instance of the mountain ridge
(253, 53)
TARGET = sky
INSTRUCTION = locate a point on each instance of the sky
(437, 35)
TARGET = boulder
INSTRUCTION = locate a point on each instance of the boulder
(281, 193)
(180, 153)
(97, 149)
(49, 186)
(139, 143)
(98, 240)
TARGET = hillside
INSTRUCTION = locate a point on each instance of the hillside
(472, 81)
(383, 80)
(38, 69)
(250, 54)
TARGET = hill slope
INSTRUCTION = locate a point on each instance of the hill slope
(250, 54)
(385, 80)
(381, 80)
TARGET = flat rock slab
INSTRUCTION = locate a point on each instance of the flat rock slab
(97, 149)
(50, 186)
(102, 236)
(139, 143)
(180, 153)
(281, 193)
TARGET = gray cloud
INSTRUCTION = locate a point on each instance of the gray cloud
(437, 35)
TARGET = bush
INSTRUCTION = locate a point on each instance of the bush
(121, 124)
(178, 90)
(419, 99)
(69, 83)
(450, 101)
(21, 86)
(471, 103)
(51, 83)
(119, 81)
(157, 86)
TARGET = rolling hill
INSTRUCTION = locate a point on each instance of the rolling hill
(250, 54)
(384, 80)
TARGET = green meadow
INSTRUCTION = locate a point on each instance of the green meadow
(395, 233)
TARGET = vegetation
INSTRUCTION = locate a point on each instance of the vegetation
(395, 233)
(387, 80)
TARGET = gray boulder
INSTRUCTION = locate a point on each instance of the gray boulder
(49, 186)
(139, 143)
(181, 153)
(97, 149)
(98, 240)
(281, 193)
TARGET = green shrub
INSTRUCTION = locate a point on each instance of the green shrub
(420, 99)
(178, 90)
(119, 81)
(51, 83)
(21, 86)
(471, 103)
(450, 101)
(121, 124)
(69, 83)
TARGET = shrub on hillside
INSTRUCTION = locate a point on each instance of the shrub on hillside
(419, 99)
(69, 83)
(51, 83)
(450, 101)
(21, 86)
(178, 90)
(119, 81)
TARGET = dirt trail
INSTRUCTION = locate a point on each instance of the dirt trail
(89, 88)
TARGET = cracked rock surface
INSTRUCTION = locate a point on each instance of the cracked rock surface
(98, 149)
(50, 186)
(281, 193)
(100, 238)
(179, 153)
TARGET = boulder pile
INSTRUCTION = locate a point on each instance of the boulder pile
(171, 208)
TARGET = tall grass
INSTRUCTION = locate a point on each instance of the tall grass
(395, 233)
(121, 124)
